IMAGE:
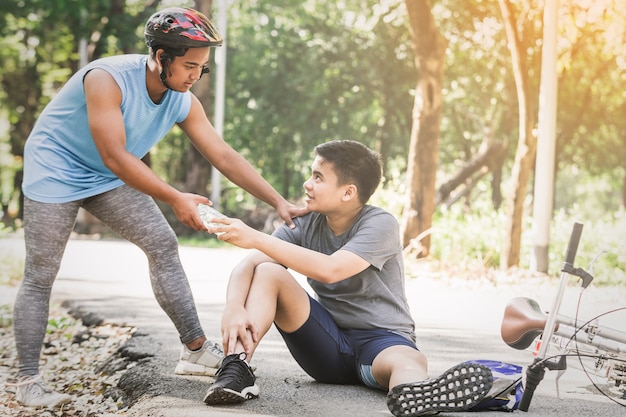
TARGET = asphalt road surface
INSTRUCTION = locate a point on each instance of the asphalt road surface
(457, 320)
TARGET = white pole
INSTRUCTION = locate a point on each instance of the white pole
(83, 57)
(220, 89)
(546, 138)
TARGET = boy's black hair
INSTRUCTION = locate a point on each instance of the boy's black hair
(353, 163)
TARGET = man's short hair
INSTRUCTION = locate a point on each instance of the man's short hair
(353, 163)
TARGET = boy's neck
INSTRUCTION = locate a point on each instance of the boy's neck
(339, 223)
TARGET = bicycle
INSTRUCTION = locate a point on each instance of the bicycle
(524, 323)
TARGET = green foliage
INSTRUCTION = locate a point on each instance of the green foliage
(203, 240)
(301, 72)
(11, 270)
(168, 158)
(11, 265)
(468, 236)
(59, 323)
(299, 75)
(471, 238)
(602, 237)
(6, 315)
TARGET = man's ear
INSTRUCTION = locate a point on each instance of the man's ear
(163, 58)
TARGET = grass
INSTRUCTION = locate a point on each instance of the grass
(11, 269)
(473, 238)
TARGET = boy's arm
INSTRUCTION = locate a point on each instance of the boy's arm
(315, 265)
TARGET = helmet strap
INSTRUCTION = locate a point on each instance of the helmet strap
(165, 62)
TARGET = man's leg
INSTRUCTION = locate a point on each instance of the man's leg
(136, 217)
(47, 228)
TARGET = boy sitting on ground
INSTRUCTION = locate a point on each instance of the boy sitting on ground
(358, 328)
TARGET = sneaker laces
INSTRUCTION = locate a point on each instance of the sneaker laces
(235, 371)
(215, 349)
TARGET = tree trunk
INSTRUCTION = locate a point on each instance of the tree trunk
(429, 48)
(526, 145)
(489, 156)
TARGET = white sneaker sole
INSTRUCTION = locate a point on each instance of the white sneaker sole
(227, 396)
(186, 368)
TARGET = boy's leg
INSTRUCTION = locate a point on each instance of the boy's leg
(321, 348)
(399, 364)
(274, 296)
(459, 388)
(136, 217)
(47, 228)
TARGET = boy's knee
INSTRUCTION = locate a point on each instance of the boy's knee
(270, 269)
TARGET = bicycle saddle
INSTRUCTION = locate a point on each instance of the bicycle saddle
(523, 321)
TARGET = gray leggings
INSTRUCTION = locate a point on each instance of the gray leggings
(131, 214)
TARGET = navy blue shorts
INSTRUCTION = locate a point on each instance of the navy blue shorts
(333, 355)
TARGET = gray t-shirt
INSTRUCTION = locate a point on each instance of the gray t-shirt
(374, 298)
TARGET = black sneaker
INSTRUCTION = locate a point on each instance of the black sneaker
(234, 382)
(459, 388)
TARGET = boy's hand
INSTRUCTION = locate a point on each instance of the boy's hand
(238, 331)
(235, 232)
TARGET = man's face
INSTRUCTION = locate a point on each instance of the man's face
(183, 71)
(322, 192)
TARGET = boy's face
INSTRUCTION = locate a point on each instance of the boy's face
(322, 193)
(184, 71)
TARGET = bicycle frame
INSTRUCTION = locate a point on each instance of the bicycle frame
(524, 321)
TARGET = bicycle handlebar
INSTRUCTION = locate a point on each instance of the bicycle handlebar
(534, 375)
(572, 246)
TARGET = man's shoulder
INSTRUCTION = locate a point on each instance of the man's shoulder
(120, 62)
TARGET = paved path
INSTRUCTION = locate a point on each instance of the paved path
(457, 320)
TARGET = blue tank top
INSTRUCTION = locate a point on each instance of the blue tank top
(61, 161)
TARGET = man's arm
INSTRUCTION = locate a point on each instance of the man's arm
(106, 123)
(315, 265)
(230, 163)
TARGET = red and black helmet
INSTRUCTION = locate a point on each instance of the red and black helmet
(180, 27)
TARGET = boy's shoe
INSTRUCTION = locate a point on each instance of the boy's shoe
(32, 392)
(235, 382)
(459, 388)
(204, 361)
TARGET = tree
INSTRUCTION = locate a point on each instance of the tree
(527, 142)
(429, 48)
(299, 75)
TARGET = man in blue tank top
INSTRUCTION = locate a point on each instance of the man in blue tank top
(85, 151)
(357, 327)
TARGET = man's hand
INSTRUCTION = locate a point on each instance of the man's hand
(238, 331)
(185, 208)
(288, 211)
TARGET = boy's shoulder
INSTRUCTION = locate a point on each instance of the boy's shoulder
(378, 212)
(370, 215)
